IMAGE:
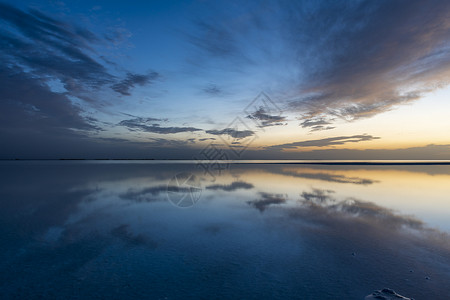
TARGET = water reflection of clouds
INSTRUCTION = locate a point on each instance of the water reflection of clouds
(266, 199)
(148, 194)
(354, 208)
(330, 177)
(59, 219)
(235, 185)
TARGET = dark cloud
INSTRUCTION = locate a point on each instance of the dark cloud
(49, 74)
(123, 87)
(113, 140)
(29, 107)
(316, 124)
(339, 140)
(58, 50)
(149, 125)
(320, 127)
(166, 143)
(51, 47)
(230, 187)
(265, 119)
(267, 200)
(237, 134)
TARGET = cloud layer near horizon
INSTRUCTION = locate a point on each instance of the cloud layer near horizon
(325, 142)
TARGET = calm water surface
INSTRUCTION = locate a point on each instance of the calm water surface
(254, 231)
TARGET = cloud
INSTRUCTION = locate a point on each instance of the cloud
(437, 152)
(54, 49)
(378, 55)
(214, 39)
(113, 140)
(230, 187)
(343, 60)
(325, 142)
(50, 47)
(29, 107)
(212, 89)
(266, 119)
(117, 35)
(123, 87)
(148, 125)
(50, 71)
(238, 134)
(166, 143)
(267, 200)
(316, 124)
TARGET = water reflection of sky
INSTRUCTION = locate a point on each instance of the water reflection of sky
(258, 231)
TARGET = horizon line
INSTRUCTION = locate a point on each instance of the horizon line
(258, 161)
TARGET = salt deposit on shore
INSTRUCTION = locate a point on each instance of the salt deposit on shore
(386, 294)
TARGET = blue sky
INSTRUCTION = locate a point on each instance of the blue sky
(264, 79)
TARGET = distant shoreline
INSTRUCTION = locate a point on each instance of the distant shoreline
(268, 161)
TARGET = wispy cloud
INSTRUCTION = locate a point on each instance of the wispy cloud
(149, 125)
(212, 89)
(39, 52)
(349, 60)
(238, 134)
(316, 124)
(265, 119)
(325, 142)
(379, 55)
(166, 143)
(59, 50)
(123, 87)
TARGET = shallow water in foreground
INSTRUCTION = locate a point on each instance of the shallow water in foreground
(254, 231)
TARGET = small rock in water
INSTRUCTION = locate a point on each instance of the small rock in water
(386, 294)
(427, 277)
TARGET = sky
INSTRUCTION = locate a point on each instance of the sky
(225, 79)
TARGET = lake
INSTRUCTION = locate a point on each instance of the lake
(187, 230)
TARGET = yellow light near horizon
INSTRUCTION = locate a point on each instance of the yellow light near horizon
(423, 122)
